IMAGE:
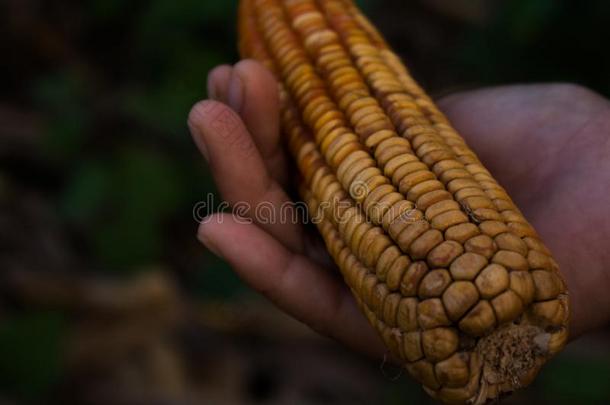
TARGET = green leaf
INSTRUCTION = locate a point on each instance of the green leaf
(30, 353)
(164, 105)
(146, 189)
(86, 192)
(61, 97)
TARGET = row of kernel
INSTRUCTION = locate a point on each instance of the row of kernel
(365, 231)
(448, 210)
(426, 141)
(475, 202)
(413, 172)
(432, 354)
(386, 267)
(361, 169)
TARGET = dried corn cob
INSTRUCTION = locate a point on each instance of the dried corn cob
(440, 260)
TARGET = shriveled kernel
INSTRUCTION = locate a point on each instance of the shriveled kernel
(474, 202)
(485, 214)
(385, 261)
(502, 204)
(446, 165)
(479, 320)
(558, 339)
(462, 232)
(459, 395)
(412, 346)
(482, 245)
(369, 181)
(454, 371)
(412, 278)
(511, 242)
(460, 184)
(405, 170)
(444, 254)
(522, 283)
(468, 192)
(373, 237)
(510, 260)
(407, 315)
(424, 188)
(432, 197)
(492, 281)
(401, 159)
(380, 292)
(357, 237)
(410, 234)
(396, 272)
(431, 314)
(423, 371)
(440, 208)
(467, 266)
(493, 228)
(392, 338)
(401, 211)
(413, 179)
(374, 140)
(379, 201)
(538, 260)
(553, 312)
(400, 224)
(393, 149)
(368, 286)
(448, 219)
(453, 174)
(434, 283)
(522, 229)
(537, 245)
(507, 306)
(547, 285)
(459, 297)
(372, 252)
(425, 243)
(439, 343)
(390, 309)
(511, 216)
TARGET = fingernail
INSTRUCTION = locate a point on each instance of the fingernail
(208, 244)
(236, 93)
(198, 137)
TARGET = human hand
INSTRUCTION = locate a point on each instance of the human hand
(548, 145)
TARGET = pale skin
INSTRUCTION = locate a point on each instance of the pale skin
(547, 144)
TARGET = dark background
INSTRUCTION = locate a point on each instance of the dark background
(105, 295)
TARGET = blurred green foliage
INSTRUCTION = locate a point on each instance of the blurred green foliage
(30, 353)
(117, 133)
(541, 40)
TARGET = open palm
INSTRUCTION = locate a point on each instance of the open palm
(548, 145)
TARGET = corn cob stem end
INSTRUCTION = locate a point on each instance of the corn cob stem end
(512, 356)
